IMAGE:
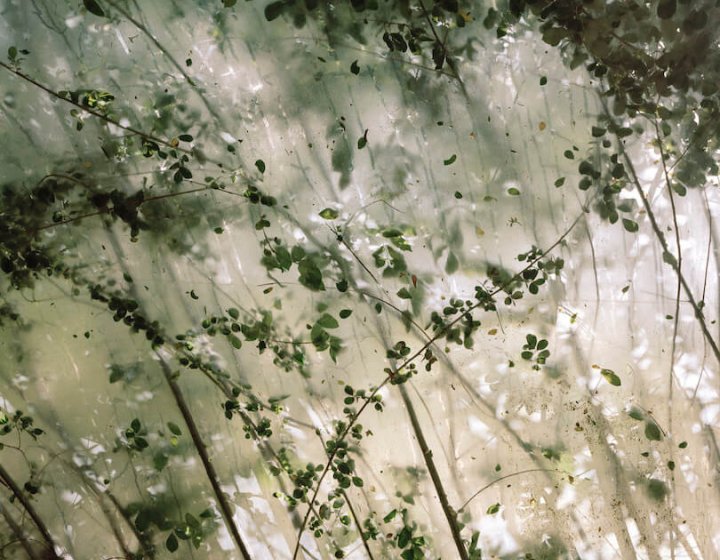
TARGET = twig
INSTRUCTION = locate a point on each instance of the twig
(37, 520)
(353, 420)
(210, 472)
(93, 112)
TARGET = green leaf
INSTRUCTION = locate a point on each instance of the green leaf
(636, 414)
(560, 182)
(185, 138)
(12, 53)
(284, 258)
(274, 10)
(354, 68)
(630, 225)
(666, 9)
(586, 168)
(160, 461)
(172, 543)
(94, 8)
(493, 509)
(392, 232)
(656, 489)
(143, 520)
(568, 154)
(329, 213)
(390, 516)
(543, 80)
(345, 313)
(452, 263)
(174, 428)
(310, 275)
(342, 286)
(652, 431)
(116, 374)
(513, 191)
(235, 341)
(611, 377)
(598, 131)
(228, 4)
(404, 293)
(362, 141)
(450, 160)
(297, 253)
(260, 164)
(328, 321)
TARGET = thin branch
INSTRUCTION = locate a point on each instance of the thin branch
(93, 112)
(450, 513)
(30, 509)
(19, 536)
(210, 472)
(526, 471)
(667, 255)
(353, 420)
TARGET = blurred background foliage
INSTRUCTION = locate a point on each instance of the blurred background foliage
(359, 279)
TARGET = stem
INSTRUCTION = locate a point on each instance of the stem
(19, 535)
(666, 250)
(210, 472)
(353, 420)
(39, 523)
(449, 512)
(489, 484)
(93, 112)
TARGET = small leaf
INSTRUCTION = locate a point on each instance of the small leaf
(512, 191)
(12, 53)
(328, 321)
(611, 377)
(636, 414)
(652, 431)
(172, 543)
(185, 138)
(450, 160)
(493, 509)
(174, 428)
(630, 225)
(666, 9)
(228, 4)
(94, 8)
(390, 516)
(362, 141)
(274, 10)
(345, 313)
(235, 341)
(452, 264)
(598, 131)
(354, 68)
(143, 520)
(560, 182)
(260, 164)
(657, 489)
(404, 293)
(234, 313)
(329, 214)
(543, 80)
(568, 154)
